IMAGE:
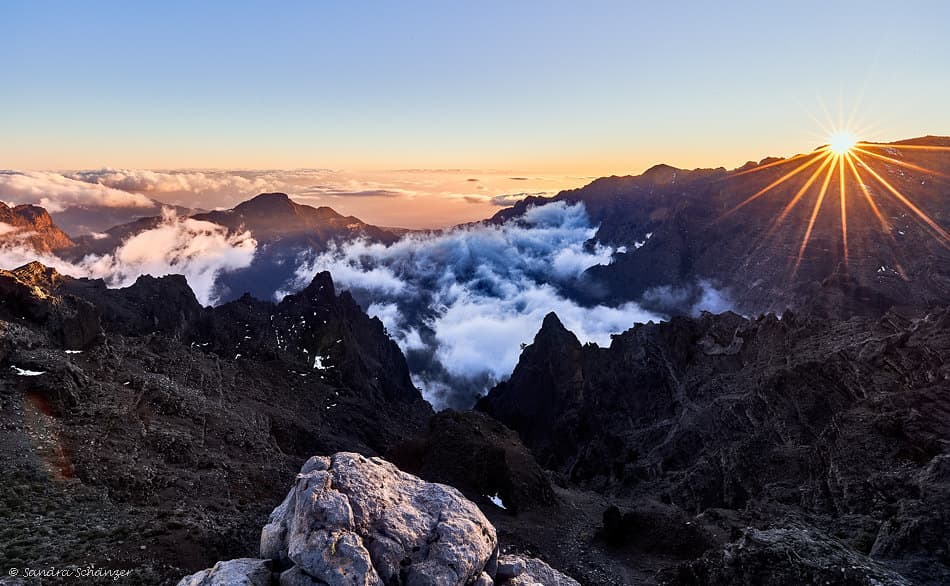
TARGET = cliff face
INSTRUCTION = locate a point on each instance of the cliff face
(177, 426)
(31, 225)
(840, 425)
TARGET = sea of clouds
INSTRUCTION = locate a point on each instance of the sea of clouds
(461, 303)
(201, 251)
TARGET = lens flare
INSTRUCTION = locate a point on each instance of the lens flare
(845, 153)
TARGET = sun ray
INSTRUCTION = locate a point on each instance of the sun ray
(842, 201)
(814, 213)
(944, 236)
(918, 147)
(817, 157)
(801, 192)
(885, 225)
(899, 162)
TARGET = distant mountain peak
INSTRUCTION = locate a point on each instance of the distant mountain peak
(31, 225)
(267, 203)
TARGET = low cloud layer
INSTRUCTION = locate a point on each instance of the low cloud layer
(461, 303)
(56, 192)
(439, 197)
(198, 250)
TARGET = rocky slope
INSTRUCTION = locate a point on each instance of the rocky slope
(148, 432)
(680, 228)
(355, 520)
(770, 435)
(31, 225)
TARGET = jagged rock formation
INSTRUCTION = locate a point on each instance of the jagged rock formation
(123, 413)
(31, 225)
(836, 428)
(355, 520)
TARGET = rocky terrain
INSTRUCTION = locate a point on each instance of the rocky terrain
(142, 430)
(802, 439)
(796, 450)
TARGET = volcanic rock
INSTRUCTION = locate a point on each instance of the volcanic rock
(842, 422)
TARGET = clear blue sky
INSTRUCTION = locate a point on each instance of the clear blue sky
(595, 87)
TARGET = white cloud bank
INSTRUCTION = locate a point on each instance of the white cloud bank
(461, 303)
(198, 250)
(55, 192)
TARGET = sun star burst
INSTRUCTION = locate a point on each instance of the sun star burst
(847, 158)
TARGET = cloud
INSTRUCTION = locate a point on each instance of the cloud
(510, 199)
(330, 191)
(461, 302)
(690, 299)
(200, 251)
(56, 192)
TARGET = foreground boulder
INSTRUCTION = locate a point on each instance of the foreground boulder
(354, 520)
(239, 572)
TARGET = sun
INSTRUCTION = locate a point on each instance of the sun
(841, 143)
(850, 160)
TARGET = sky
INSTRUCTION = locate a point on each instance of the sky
(560, 90)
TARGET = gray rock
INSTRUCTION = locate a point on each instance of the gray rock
(239, 572)
(296, 577)
(356, 520)
(519, 571)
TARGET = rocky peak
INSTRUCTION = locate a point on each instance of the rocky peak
(321, 286)
(553, 334)
(36, 274)
(31, 225)
(269, 204)
(659, 174)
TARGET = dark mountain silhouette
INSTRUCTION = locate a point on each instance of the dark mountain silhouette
(31, 225)
(283, 229)
(682, 226)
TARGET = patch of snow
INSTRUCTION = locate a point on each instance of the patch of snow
(496, 500)
(24, 372)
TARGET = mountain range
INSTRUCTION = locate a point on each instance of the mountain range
(799, 437)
